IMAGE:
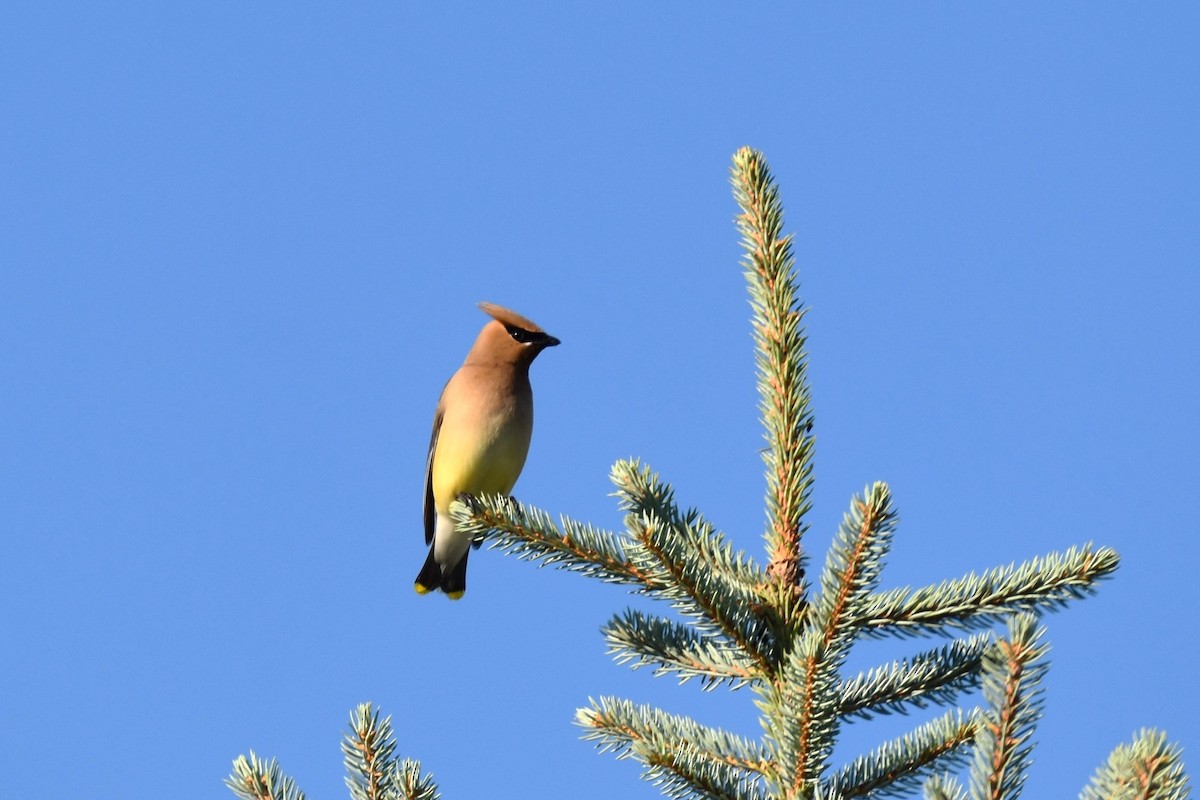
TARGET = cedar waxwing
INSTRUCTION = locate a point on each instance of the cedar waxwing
(481, 432)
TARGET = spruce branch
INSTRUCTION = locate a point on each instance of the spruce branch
(1149, 768)
(691, 565)
(684, 757)
(944, 787)
(1012, 674)
(936, 676)
(411, 782)
(372, 770)
(531, 535)
(643, 640)
(255, 779)
(802, 705)
(687, 774)
(781, 359)
(974, 602)
(641, 492)
(852, 569)
(366, 751)
(800, 717)
(899, 766)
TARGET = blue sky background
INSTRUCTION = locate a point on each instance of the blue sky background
(239, 255)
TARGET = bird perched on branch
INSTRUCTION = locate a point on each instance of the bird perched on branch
(481, 433)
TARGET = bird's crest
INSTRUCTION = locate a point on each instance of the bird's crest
(506, 317)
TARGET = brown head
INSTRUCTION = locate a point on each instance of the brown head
(508, 339)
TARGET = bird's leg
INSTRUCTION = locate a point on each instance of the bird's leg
(514, 508)
(470, 502)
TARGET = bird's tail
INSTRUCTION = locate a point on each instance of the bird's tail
(430, 576)
(453, 582)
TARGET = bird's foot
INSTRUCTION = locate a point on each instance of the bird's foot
(470, 502)
(514, 509)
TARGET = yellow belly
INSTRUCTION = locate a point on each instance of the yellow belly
(488, 462)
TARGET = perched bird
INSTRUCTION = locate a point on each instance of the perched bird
(481, 432)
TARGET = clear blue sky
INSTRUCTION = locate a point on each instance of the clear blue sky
(240, 248)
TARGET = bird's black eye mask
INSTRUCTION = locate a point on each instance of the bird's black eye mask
(525, 337)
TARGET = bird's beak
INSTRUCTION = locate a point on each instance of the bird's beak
(551, 341)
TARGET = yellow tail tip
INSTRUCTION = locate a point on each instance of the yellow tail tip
(421, 589)
(456, 595)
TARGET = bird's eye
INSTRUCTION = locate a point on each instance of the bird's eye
(518, 334)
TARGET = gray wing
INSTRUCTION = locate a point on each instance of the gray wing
(430, 510)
